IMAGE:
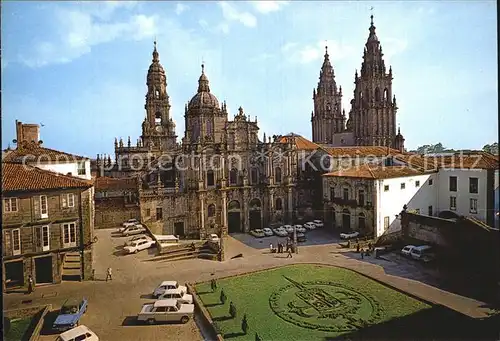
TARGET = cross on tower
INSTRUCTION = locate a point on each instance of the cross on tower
(371, 16)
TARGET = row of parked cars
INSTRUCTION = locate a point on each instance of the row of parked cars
(68, 321)
(287, 230)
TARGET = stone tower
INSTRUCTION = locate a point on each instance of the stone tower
(373, 109)
(327, 117)
(158, 128)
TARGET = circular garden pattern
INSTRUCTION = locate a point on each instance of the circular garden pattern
(324, 306)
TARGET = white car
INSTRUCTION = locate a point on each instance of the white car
(137, 238)
(288, 228)
(177, 294)
(300, 229)
(166, 311)
(78, 333)
(349, 235)
(310, 225)
(166, 285)
(318, 223)
(213, 238)
(139, 245)
(280, 232)
(407, 250)
(130, 222)
(267, 231)
(135, 229)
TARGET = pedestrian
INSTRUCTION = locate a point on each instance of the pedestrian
(289, 249)
(30, 284)
(271, 248)
(108, 275)
(357, 248)
(280, 248)
(362, 254)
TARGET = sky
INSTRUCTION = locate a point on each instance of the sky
(79, 68)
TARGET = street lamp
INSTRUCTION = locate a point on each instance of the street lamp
(296, 250)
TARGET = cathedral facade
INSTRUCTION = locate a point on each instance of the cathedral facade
(372, 117)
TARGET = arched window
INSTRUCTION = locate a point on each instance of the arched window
(233, 176)
(211, 210)
(233, 205)
(254, 175)
(277, 175)
(279, 204)
(377, 94)
(209, 128)
(157, 94)
(195, 132)
(361, 221)
(158, 118)
(386, 94)
(210, 178)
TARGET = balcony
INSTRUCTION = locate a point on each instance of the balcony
(349, 202)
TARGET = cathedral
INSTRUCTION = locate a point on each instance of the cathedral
(372, 117)
(221, 177)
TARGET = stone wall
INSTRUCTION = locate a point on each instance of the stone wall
(112, 212)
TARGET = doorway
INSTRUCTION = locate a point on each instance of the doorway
(346, 220)
(255, 220)
(14, 274)
(43, 270)
(179, 229)
(234, 222)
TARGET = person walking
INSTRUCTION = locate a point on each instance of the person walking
(30, 284)
(289, 249)
(362, 253)
(271, 248)
(108, 275)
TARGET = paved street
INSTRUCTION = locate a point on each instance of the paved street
(113, 305)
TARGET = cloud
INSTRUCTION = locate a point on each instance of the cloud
(80, 30)
(266, 7)
(232, 14)
(180, 8)
(306, 54)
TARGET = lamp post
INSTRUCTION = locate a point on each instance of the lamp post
(295, 249)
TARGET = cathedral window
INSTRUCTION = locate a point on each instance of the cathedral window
(195, 132)
(254, 175)
(233, 176)
(211, 210)
(210, 178)
(277, 175)
(158, 118)
(279, 204)
(157, 94)
(209, 128)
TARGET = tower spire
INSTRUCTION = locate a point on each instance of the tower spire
(156, 55)
(203, 81)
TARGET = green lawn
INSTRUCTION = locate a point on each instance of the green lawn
(18, 329)
(303, 302)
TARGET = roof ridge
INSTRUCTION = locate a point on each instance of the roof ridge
(71, 177)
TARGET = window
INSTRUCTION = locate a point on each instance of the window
(69, 235)
(159, 213)
(473, 206)
(81, 168)
(148, 212)
(210, 178)
(254, 175)
(453, 203)
(45, 238)
(361, 197)
(453, 183)
(386, 188)
(10, 205)
(211, 210)
(277, 175)
(68, 200)
(345, 193)
(16, 242)
(430, 182)
(279, 204)
(209, 128)
(403, 185)
(233, 176)
(386, 223)
(361, 221)
(417, 183)
(332, 193)
(473, 185)
(44, 207)
(430, 210)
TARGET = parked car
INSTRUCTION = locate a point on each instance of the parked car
(165, 285)
(267, 231)
(407, 250)
(70, 314)
(422, 253)
(349, 235)
(177, 294)
(257, 233)
(301, 237)
(78, 333)
(280, 232)
(134, 229)
(166, 311)
(318, 223)
(300, 229)
(137, 238)
(130, 222)
(288, 228)
(139, 245)
(310, 225)
(213, 238)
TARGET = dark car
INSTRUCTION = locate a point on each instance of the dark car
(70, 314)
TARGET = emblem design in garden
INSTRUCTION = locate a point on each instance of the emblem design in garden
(326, 306)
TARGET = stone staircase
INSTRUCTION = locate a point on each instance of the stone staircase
(185, 251)
(72, 267)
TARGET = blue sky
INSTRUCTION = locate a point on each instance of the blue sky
(80, 68)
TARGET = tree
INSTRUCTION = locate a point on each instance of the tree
(244, 324)
(491, 148)
(223, 297)
(213, 285)
(232, 309)
(257, 337)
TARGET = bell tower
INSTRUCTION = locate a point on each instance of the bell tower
(158, 128)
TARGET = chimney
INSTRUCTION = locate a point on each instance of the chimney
(27, 132)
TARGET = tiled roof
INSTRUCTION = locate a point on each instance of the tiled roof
(300, 142)
(473, 160)
(363, 151)
(19, 177)
(365, 171)
(33, 152)
(107, 183)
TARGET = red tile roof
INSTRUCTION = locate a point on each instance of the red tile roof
(300, 142)
(365, 171)
(472, 160)
(19, 177)
(363, 151)
(107, 183)
(33, 152)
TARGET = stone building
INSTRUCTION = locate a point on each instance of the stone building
(372, 117)
(47, 226)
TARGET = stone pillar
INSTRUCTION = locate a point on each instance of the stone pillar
(290, 205)
(224, 214)
(244, 212)
(202, 218)
(271, 207)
